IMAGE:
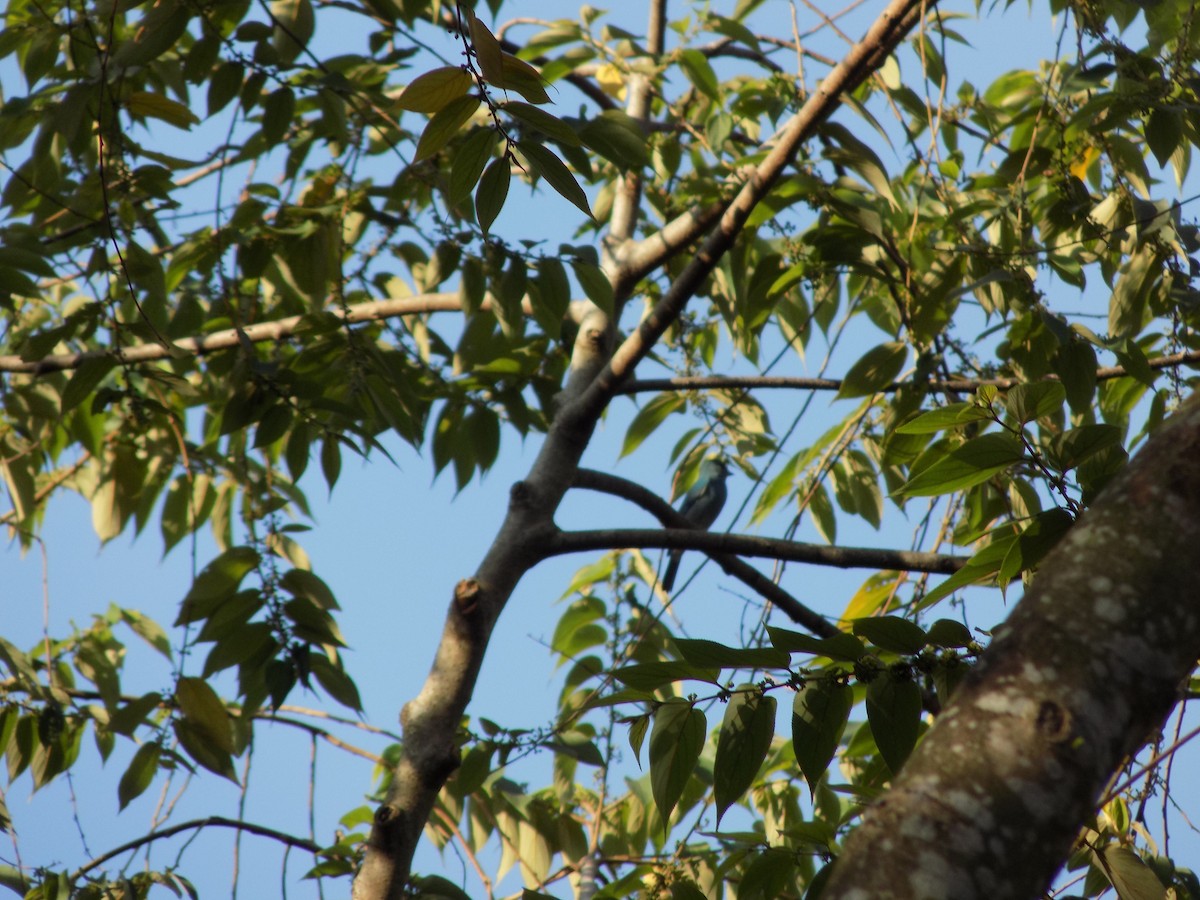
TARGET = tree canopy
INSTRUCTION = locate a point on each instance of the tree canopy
(905, 299)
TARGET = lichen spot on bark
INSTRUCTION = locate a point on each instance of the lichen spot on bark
(1053, 722)
(1106, 607)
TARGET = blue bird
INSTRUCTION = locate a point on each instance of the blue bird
(702, 504)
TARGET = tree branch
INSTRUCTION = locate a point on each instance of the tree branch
(714, 543)
(867, 55)
(947, 386)
(589, 479)
(1085, 670)
(211, 821)
(260, 332)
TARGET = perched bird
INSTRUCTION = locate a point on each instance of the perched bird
(702, 504)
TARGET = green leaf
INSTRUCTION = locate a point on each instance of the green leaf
(132, 715)
(204, 712)
(1075, 364)
(331, 460)
(444, 125)
(435, 90)
(278, 110)
(148, 630)
(1029, 402)
(649, 417)
(487, 49)
(198, 746)
(876, 370)
(85, 380)
(894, 711)
(616, 137)
(595, 284)
(637, 735)
(553, 295)
(470, 157)
(952, 415)
(549, 125)
(949, 633)
(652, 676)
(140, 773)
(555, 173)
(973, 463)
(742, 745)
(335, 681)
(700, 73)
(1072, 447)
(841, 646)
(675, 744)
(892, 633)
(820, 712)
(712, 655)
(156, 106)
(157, 32)
(523, 78)
(1132, 878)
(218, 581)
(1127, 304)
(492, 191)
(1164, 131)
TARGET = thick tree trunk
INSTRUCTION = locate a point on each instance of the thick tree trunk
(1081, 675)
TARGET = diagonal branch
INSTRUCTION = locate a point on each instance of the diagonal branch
(884, 35)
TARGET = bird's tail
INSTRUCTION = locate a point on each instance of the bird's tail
(668, 581)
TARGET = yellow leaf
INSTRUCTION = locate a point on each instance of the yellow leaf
(611, 81)
(1080, 167)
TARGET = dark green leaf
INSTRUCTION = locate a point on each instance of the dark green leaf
(204, 713)
(470, 157)
(139, 775)
(949, 633)
(712, 655)
(444, 125)
(892, 633)
(651, 676)
(85, 380)
(745, 738)
(820, 712)
(876, 370)
(894, 711)
(1133, 879)
(492, 192)
(675, 744)
(555, 173)
(617, 138)
(551, 126)
(841, 646)
(1164, 131)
